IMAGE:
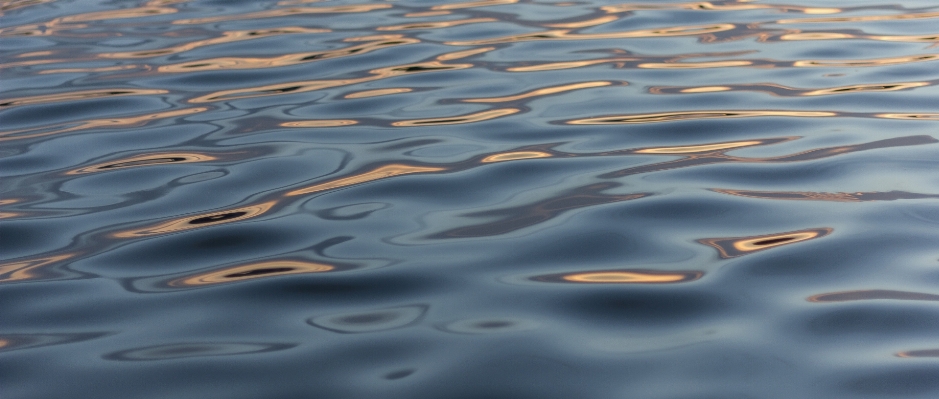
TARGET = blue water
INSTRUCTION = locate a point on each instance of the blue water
(492, 199)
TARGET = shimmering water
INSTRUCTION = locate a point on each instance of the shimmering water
(491, 199)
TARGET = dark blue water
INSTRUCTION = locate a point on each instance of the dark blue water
(494, 199)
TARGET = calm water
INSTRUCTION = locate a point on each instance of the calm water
(492, 199)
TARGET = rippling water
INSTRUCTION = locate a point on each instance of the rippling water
(489, 199)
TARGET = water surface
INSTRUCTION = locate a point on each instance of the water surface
(489, 199)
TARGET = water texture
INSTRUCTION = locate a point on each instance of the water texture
(489, 199)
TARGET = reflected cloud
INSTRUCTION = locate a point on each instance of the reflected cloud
(833, 197)
(564, 34)
(109, 123)
(230, 63)
(921, 116)
(784, 91)
(312, 85)
(381, 172)
(199, 221)
(584, 24)
(876, 62)
(694, 65)
(251, 271)
(920, 353)
(694, 115)
(701, 148)
(178, 351)
(372, 320)
(519, 217)
(282, 12)
(473, 4)
(378, 92)
(436, 24)
(543, 92)
(710, 157)
(78, 95)
(514, 156)
(463, 53)
(144, 160)
(33, 269)
(867, 295)
(426, 14)
(320, 123)
(862, 18)
(732, 247)
(456, 120)
(625, 276)
(740, 5)
(73, 21)
(11, 342)
(227, 37)
(88, 70)
(10, 5)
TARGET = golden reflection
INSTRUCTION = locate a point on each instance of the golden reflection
(566, 35)
(584, 24)
(514, 156)
(282, 12)
(690, 149)
(199, 221)
(693, 115)
(115, 14)
(70, 22)
(96, 123)
(312, 85)
(436, 24)
(88, 70)
(733, 247)
(9, 201)
(228, 63)
(10, 5)
(378, 92)
(10, 215)
(454, 120)
(832, 197)
(705, 89)
(553, 66)
(251, 271)
(78, 95)
(933, 117)
(862, 18)
(227, 37)
(865, 295)
(693, 65)
(143, 160)
(426, 14)
(473, 4)
(35, 54)
(722, 6)
(816, 36)
(631, 276)
(31, 63)
(920, 353)
(784, 91)
(382, 172)
(27, 269)
(838, 36)
(540, 92)
(320, 123)
(865, 63)
(463, 54)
